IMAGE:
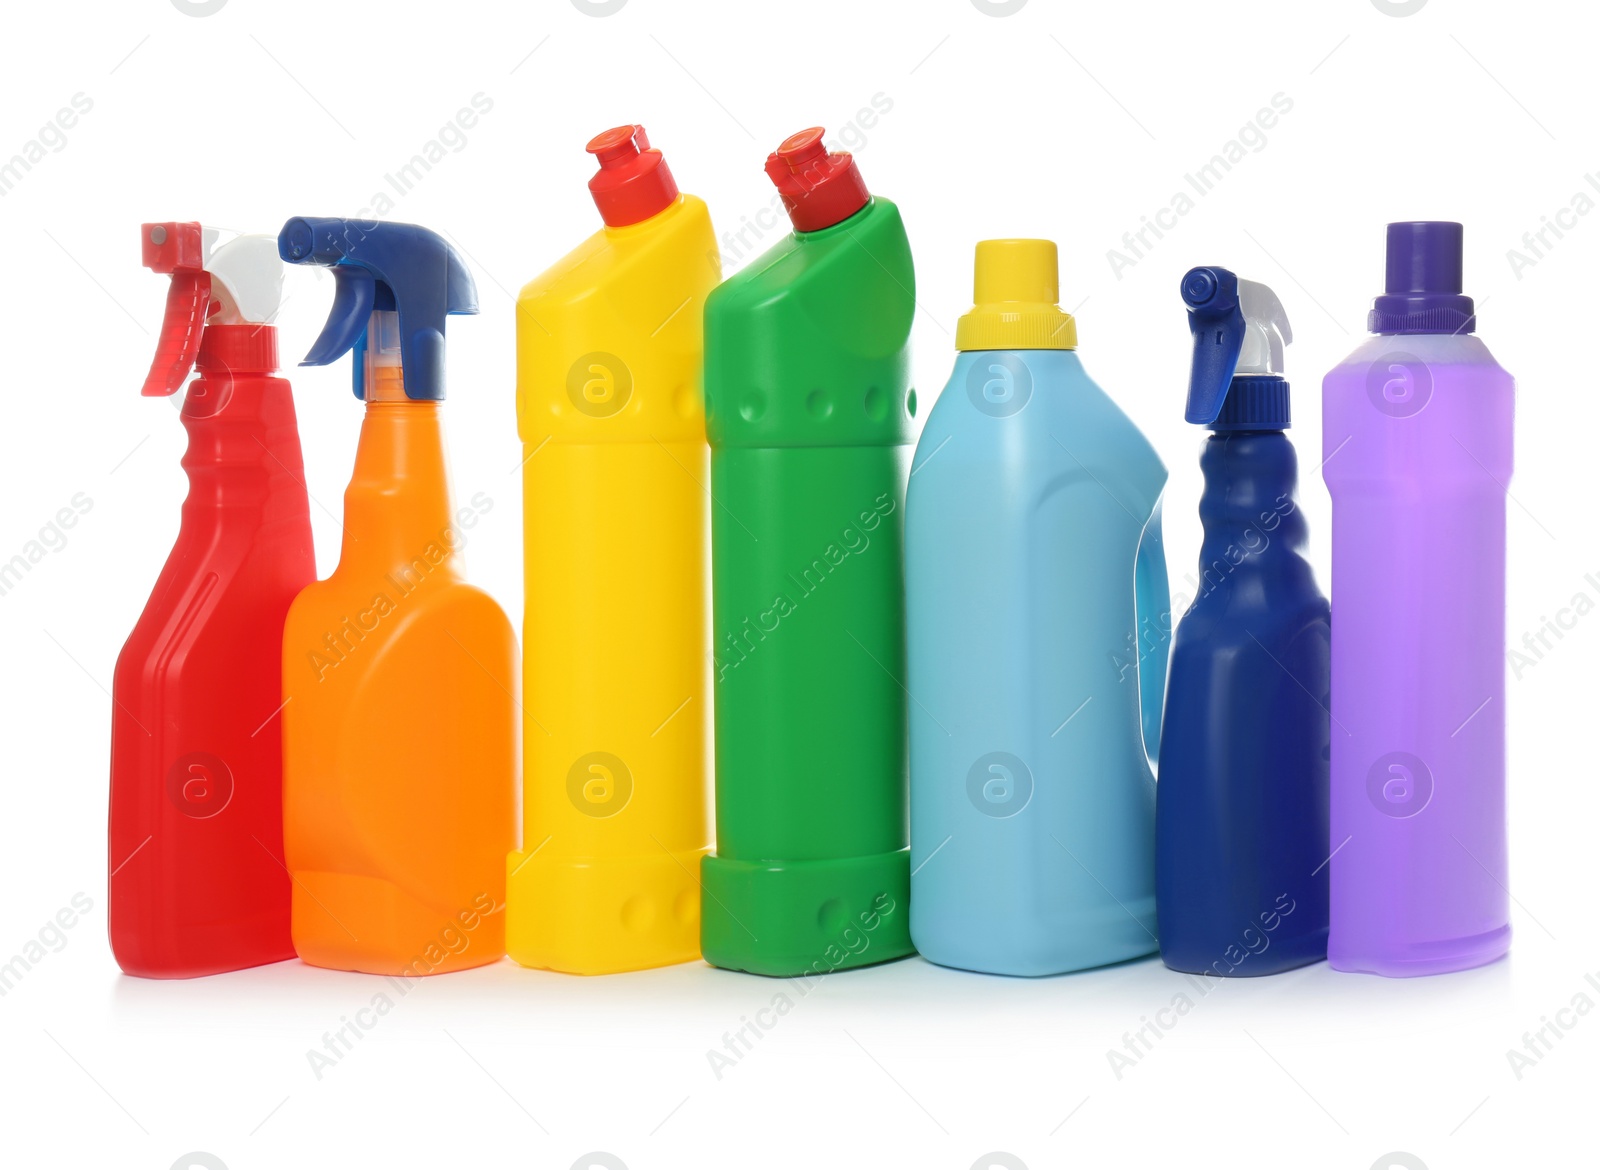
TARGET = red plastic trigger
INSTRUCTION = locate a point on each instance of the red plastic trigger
(176, 248)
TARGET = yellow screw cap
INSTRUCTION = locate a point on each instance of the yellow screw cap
(1014, 287)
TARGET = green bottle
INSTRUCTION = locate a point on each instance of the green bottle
(808, 408)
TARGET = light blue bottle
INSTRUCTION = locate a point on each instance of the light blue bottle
(1037, 620)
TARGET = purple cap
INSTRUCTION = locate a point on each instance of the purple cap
(1422, 282)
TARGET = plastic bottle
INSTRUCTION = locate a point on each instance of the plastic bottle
(1035, 588)
(197, 880)
(808, 402)
(400, 679)
(609, 356)
(1416, 433)
(1242, 806)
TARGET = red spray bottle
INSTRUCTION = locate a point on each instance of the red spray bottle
(197, 880)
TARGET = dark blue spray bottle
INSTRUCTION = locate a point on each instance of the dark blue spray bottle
(1242, 795)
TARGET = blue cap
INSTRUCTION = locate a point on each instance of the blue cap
(384, 266)
(1235, 321)
(1422, 281)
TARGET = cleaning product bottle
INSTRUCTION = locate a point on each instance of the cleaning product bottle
(1242, 807)
(609, 406)
(1416, 433)
(1035, 593)
(400, 679)
(808, 405)
(196, 842)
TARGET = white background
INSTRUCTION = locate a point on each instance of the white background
(1067, 121)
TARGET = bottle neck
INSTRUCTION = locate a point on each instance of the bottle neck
(244, 446)
(397, 507)
(1249, 508)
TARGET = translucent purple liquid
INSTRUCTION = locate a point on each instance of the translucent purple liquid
(1417, 443)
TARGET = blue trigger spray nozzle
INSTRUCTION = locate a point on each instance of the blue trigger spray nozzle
(396, 284)
(1240, 329)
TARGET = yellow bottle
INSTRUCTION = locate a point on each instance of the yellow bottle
(615, 478)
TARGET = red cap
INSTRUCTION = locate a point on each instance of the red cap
(177, 249)
(818, 189)
(238, 349)
(633, 182)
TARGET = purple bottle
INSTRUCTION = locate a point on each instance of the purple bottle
(1416, 435)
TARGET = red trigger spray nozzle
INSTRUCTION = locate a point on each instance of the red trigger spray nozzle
(177, 249)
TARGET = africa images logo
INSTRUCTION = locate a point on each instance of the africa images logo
(199, 784)
(1399, 384)
(599, 784)
(999, 384)
(599, 384)
(999, 785)
(1399, 785)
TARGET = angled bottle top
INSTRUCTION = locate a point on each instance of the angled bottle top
(808, 346)
(610, 337)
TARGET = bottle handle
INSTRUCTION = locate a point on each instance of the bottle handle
(1152, 604)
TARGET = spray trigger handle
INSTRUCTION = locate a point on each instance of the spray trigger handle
(1239, 329)
(240, 283)
(177, 249)
(384, 268)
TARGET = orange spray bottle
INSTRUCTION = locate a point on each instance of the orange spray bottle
(400, 679)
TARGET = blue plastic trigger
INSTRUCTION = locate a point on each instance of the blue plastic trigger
(355, 295)
(387, 267)
(1217, 323)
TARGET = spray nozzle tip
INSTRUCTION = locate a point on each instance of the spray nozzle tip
(295, 241)
(318, 240)
(1199, 286)
(173, 246)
